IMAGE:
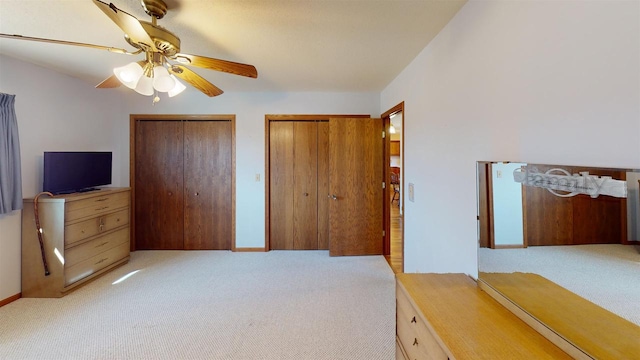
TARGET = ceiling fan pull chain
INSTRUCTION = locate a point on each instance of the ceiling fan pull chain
(156, 98)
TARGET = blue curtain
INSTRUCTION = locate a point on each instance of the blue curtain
(10, 174)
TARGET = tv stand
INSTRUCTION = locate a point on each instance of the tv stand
(69, 192)
(88, 189)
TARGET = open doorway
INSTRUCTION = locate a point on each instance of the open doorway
(394, 224)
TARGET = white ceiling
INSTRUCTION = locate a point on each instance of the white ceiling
(296, 45)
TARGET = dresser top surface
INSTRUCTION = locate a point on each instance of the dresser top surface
(79, 195)
(470, 323)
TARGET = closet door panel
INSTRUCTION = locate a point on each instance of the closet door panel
(548, 218)
(323, 185)
(280, 185)
(207, 185)
(601, 220)
(159, 202)
(223, 208)
(305, 188)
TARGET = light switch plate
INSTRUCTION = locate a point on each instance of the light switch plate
(411, 198)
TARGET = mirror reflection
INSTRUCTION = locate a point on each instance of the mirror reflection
(578, 227)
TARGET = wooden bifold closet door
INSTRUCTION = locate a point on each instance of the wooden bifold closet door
(183, 185)
(299, 185)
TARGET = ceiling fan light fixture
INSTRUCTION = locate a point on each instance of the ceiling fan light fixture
(162, 81)
(177, 89)
(129, 74)
(144, 86)
(159, 45)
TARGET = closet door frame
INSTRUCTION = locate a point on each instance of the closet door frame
(134, 118)
(283, 117)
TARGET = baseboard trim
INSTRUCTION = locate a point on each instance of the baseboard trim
(249, 249)
(10, 299)
(509, 246)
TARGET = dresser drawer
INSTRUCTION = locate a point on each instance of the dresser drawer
(91, 227)
(94, 206)
(417, 340)
(96, 263)
(94, 247)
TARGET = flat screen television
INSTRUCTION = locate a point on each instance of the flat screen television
(67, 172)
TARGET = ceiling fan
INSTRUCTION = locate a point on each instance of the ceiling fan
(163, 62)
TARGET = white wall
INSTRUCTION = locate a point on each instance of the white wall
(55, 112)
(250, 110)
(553, 82)
(10, 226)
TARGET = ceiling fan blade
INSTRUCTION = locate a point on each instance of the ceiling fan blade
(128, 23)
(195, 80)
(216, 64)
(110, 82)
(63, 42)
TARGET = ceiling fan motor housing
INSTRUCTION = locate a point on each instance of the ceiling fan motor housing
(155, 8)
(164, 40)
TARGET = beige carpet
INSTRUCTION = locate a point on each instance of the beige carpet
(214, 305)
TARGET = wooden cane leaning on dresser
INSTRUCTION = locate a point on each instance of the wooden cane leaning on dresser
(85, 235)
(447, 316)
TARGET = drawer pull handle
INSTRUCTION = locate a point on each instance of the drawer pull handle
(103, 199)
(101, 261)
(415, 341)
(413, 320)
(102, 208)
(103, 244)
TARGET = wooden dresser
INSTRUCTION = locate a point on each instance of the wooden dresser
(447, 316)
(84, 235)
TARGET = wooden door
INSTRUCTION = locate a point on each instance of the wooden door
(577, 220)
(323, 185)
(207, 185)
(356, 173)
(602, 220)
(280, 185)
(159, 221)
(298, 180)
(305, 185)
(485, 194)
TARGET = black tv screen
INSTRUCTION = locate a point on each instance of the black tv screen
(74, 171)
